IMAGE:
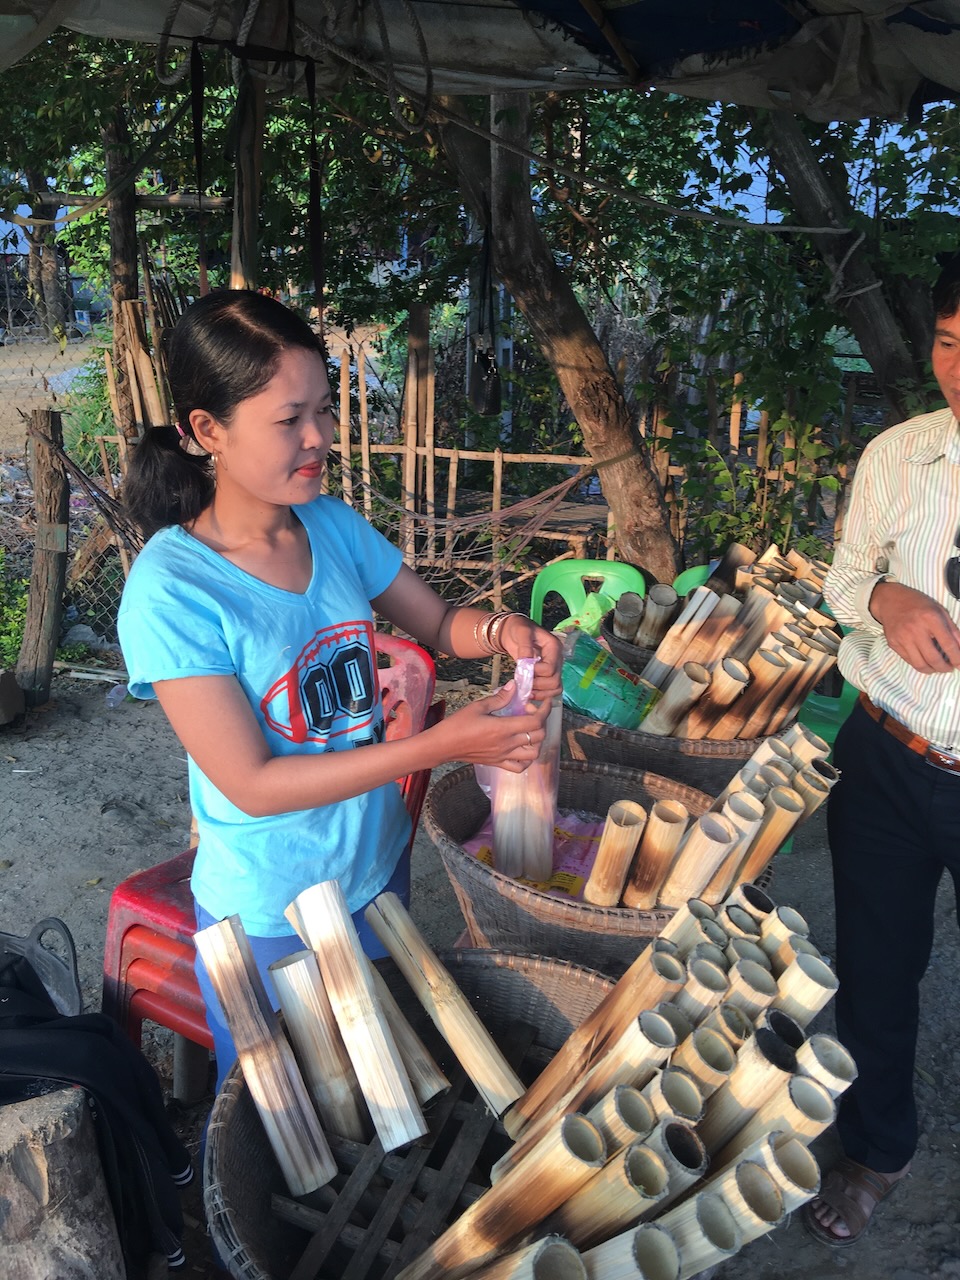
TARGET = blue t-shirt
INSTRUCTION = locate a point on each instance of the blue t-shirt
(307, 665)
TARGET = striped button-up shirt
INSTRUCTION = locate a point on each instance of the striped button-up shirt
(901, 523)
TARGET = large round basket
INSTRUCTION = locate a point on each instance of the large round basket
(502, 912)
(628, 655)
(240, 1172)
(703, 763)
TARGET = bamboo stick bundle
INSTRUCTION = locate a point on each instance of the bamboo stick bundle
(805, 987)
(753, 900)
(707, 1056)
(705, 1230)
(321, 918)
(619, 839)
(627, 613)
(765, 1062)
(744, 949)
(782, 691)
(803, 742)
(514, 1205)
(680, 1024)
(708, 840)
(800, 1106)
(674, 1093)
(686, 685)
(652, 977)
(629, 1187)
(828, 1062)
(710, 951)
(425, 1076)
(788, 951)
(623, 1116)
(752, 1195)
(551, 1259)
(658, 610)
(729, 1021)
(729, 679)
(659, 842)
(269, 1067)
(706, 986)
(647, 1253)
(449, 1010)
(683, 929)
(683, 1154)
(765, 668)
(779, 925)
(318, 1046)
(783, 809)
(700, 603)
(710, 640)
(751, 987)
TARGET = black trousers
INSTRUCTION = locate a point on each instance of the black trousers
(894, 826)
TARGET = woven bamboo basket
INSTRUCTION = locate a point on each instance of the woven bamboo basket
(627, 654)
(240, 1172)
(502, 912)
(702, 763)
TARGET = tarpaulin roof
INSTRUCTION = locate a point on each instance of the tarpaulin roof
(829, 59)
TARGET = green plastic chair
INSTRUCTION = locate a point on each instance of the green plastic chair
(587, 608)
(695, 576)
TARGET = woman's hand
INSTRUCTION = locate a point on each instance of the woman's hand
(523, 638)
(476, 735)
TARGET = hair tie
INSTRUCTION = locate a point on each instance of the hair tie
(189, 444)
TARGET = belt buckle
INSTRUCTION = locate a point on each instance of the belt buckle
(944, 760)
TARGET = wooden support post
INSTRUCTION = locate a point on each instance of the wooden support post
(41, 630)
(346, 469)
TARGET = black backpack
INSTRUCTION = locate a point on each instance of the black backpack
(47, 1042)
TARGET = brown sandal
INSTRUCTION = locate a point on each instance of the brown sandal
(839, 1193)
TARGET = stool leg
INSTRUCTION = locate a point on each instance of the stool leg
(191, 1070)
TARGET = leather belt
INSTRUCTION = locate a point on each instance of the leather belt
(931, 754)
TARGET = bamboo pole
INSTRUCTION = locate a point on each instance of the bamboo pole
(828, 1062)
(661, 837)
(321, 918)
(753, 900)
(425, 1076)
(627, 613)
(683, 1154)
(515, 1204)
(623, 1116)
(745, 814)
(783, 809)
(753, 1197)
(729, 679)
(683, 929)
(708, 1057)
(269, 1067)
(318, 1046)
(344, 449)
(618, 843)
(673, 1092)
(708, 840)
(365, 473)
(670, 711)
(778, 926)
(729, 1021)
(648, 1253)
(652, 977)
(549, 1259)
(751, 987)
(680, 1024)
(763, 1064)
(765, 667)
(627, 1188)
(706, 986)
(449, 1010)
(709, 644)
(800, 1106)
(805, 987)
(700, 603)
(658, 610)
(705, 1231)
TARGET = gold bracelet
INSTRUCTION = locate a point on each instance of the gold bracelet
(496, 630)
(486, 632)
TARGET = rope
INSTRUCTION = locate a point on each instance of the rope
(174, 77)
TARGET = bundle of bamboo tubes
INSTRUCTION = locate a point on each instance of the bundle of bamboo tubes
(738, 656)
(648, 1154)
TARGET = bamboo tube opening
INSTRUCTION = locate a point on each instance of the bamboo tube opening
(627, 613)
(552, 1258)
(788, 951)
(680, 1024)
(671, 811)
(710, 951)
(674, 1092)
(828, 1062)
(708, 1057)
(713, 1049)
(655, 1253)
(743, 810)
(744, 949)
(805, 986)
(825, 770)
(666, 946)
(792, 1162)
(582, 1138)
(774, 776)
(683, 1143)
(760, 1194)
(646, 1171)
(717, 1223)
(774, 1050)
(752, 987)
(812, 1100)
(782, 1025)
(623, 1116)
(709, 975)
(752, 899)
(730, 1022)
(657, 1029)
(739, 923)
(661, 601)
(683, 928)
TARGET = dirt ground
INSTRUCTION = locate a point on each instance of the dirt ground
(33, 375)
(90, 794)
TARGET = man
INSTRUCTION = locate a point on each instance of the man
(894, 817)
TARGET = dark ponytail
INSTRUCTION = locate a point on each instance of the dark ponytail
(224, 348)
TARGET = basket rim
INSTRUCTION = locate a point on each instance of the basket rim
(705, 747)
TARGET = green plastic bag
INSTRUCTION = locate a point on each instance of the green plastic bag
(595, 685)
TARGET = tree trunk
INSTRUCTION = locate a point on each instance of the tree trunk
(497, 188)
(122, 217)
(46, 291)
(858, 289)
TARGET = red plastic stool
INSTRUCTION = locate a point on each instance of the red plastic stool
(149, 951)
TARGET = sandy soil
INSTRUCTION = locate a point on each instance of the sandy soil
(33, 375)
(90, 794)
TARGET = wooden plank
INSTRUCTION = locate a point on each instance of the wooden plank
(346, 468)
(364, 434)
(317, 1250)
(452, 476)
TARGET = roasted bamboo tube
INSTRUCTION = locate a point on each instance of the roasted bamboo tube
(751, 987)
(754, 901)
(683, 1154)
(812, 788)
(627, 1188)
(549, 1259)
(752, 1195)
(621, 835)
(318, 1046)
(425, 1076)
(708, 1057)
(514, 1205)
(707, 842)
(828, 1062)
(763, 1064)
(683, 929)
(791, 1165)
(680, 1024)
(756, 723)
(674, 1093)
(661, 838)
(804, 987)
(800, 1106)
(450, 1011)
(706, 986)
(700, 603)
(627, 613)
(647, 1253)
(710, 640)
(788, 951)
(729, 679)
(705, 1231)
(766, 667)
(806, 744)
(745, 814)
(658, 610)
(623, 1116)
(321, 918)
(710, 951)
(821, 659)
(778, 926)
(729, 1021)
(269, 1067)
(685, 686)
(783, 809)
(652, 977)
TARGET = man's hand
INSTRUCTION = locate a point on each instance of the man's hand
(916, 627)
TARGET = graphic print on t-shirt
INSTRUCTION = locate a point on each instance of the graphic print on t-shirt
(331, 690)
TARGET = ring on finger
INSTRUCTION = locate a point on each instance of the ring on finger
(529, 740)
